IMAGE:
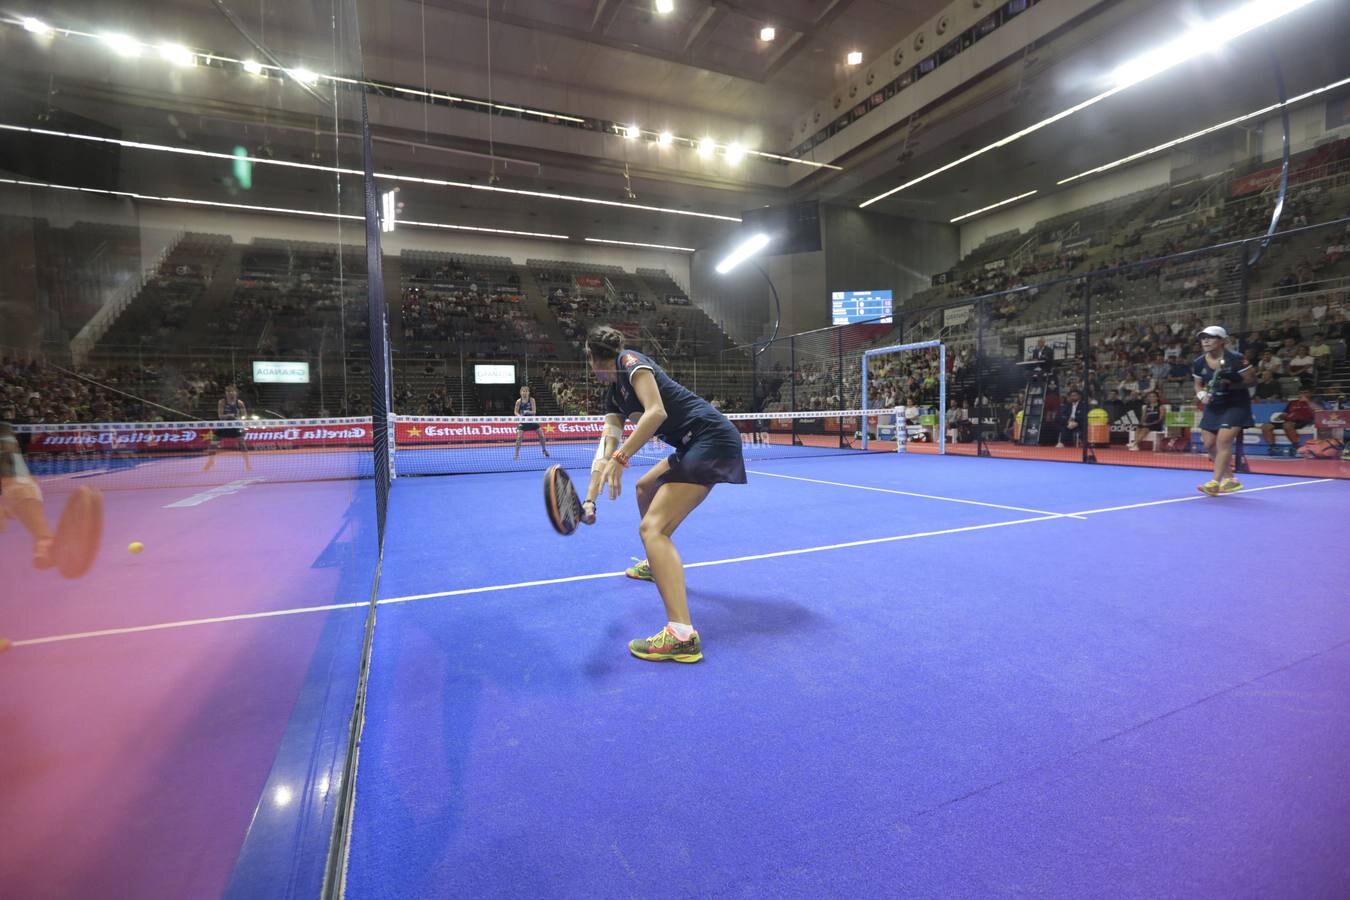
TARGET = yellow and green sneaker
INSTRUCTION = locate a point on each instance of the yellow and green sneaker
(639, 570)
(1210, 487)
(1229, 485)
(664, 645)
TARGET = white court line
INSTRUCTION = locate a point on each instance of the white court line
(881, 490)
(135, 629)
(232, 487)
(461, 592)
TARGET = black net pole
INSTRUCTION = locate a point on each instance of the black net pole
(981, 412)
(792, 369)
(839, 378)
(1088, 394)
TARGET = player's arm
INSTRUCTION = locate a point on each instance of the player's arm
(609, 442)
(1201, 389)
(220, 409)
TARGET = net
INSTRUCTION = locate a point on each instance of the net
(465, 444)
(145, 455)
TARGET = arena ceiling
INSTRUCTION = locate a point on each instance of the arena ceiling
(700, 71)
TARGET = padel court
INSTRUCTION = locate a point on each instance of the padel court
(923, 676)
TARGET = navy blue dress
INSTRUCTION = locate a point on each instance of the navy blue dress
(527, 409)
(707, 446)
(1230, 404)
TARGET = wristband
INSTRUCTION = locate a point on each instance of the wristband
(620, 457)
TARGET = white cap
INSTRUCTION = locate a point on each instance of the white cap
(1214, 331)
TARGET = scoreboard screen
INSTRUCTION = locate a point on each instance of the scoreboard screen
(847, 307)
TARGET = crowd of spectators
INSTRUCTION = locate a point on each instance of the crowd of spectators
(34, 393)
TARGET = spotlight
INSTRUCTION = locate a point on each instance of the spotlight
(304, 76)
(665, 6)
(122, 45)
(664, 139)
(855, 57)
(767, 34)
(252, 67)
(706, 147)
(177, 54)
(747, 248)
(632, 132)
(36, 26)
(735, 153)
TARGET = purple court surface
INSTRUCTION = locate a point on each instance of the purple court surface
(924, 676)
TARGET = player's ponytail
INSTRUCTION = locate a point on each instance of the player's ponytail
(604, 342)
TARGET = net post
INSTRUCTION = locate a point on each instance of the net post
(839, 378)
(792, 368)
(1089, 395)
(941, 400)
(865, 356)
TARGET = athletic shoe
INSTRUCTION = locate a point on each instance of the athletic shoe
(1229, 485)
(664, 645)
(1210, 487)
(640, 570)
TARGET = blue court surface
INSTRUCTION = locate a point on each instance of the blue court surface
(923, 676)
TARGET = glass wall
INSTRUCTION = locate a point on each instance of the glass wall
(190, 534)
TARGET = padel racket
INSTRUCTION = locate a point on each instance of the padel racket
(79, 532)
(560, 500)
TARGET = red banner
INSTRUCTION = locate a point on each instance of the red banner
(590, 281)
(187, 438)
(1257, 181)
(1332, 419)
(469, 432)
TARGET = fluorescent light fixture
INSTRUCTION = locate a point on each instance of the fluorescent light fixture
(253, 67)
(388, 210)
(409, 179)
(640, 244)
(632, 132)
(855, 57)
(664, 139)
(177, 54)
(1134, 157)
(665, 6)
(1127, 75)
(735, 153)
(767, 34)
(1204, 38)
(748, 248)
(274, 210)
(976, 212)
(122, 44)
(304, 76)
(707, 147)
(36, 26)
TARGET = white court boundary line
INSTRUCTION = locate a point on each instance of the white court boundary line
(461, 592)
(882, 490)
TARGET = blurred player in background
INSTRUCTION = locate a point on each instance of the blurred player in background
(230, 408)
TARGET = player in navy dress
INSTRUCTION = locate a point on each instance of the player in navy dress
(230, 408)
(707, 451)
(525, 408)
(1222, 381)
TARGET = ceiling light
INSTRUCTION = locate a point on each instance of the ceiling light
(1267, 110)
(389, 176)
(122, 45)
(748, 248)
(177, 54)
(986, 209)
(767, 34)
(632, 132)
(36, 26)
(664, 139)
(252, 67)
(640, 244)
(665, 6)
(706, 147)
(1206, 37)
(304, 76)
(855, 57)
(735, 153)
